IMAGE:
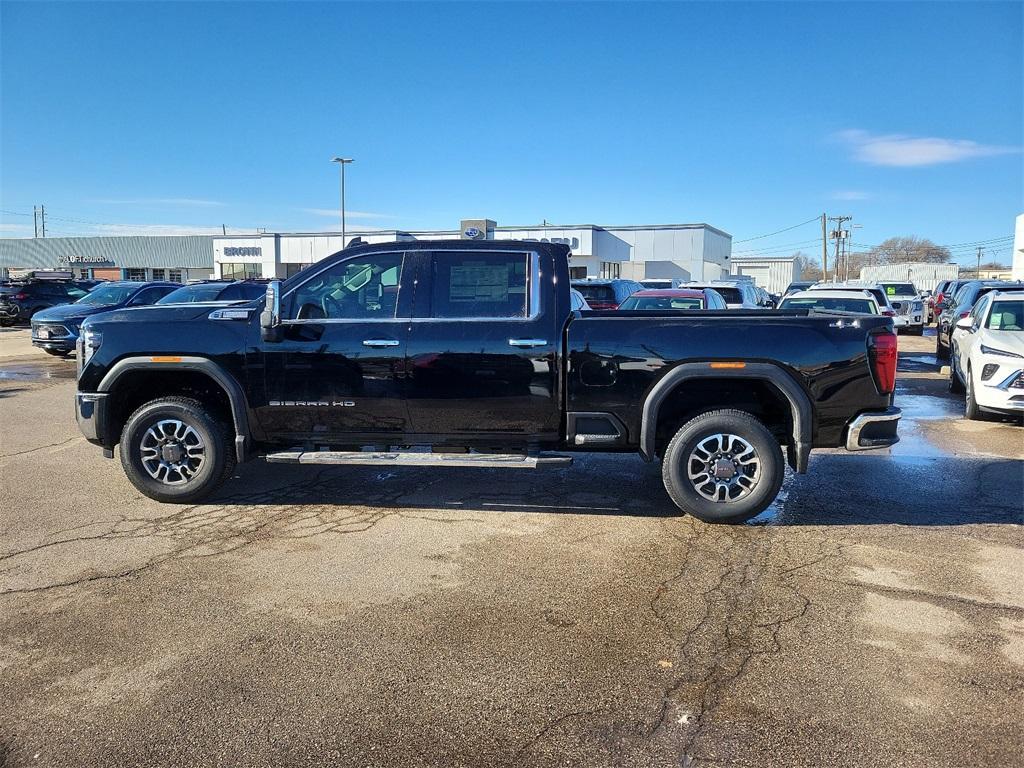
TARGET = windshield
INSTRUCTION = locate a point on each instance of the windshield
(731, 295)
(189, 294)
(1006, 316)
(661, 302)
(596, 292)
(851, 304)
(899, 289)
(105, 295)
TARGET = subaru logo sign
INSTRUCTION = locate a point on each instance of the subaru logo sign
(471, 232)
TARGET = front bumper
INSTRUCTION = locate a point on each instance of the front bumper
(873, 429)
(91, 415)
(1004, 391)
(54, 336)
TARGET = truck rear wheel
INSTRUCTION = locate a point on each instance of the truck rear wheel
(723, 467)
(175, 450)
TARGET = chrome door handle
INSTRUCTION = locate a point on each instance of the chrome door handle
(527, 342)
(380, 343)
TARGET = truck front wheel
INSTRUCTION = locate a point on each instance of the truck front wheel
(175, 450)
(723, 467)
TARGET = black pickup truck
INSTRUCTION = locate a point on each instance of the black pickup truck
(468, 354)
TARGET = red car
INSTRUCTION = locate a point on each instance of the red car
(675, 298)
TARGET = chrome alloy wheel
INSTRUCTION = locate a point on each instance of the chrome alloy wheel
(723, 468)
(172, 452)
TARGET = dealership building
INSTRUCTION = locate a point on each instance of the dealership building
(681, 251)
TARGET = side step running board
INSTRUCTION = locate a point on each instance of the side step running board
(410, 459)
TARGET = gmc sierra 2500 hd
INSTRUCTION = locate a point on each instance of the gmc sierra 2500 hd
(468, 354)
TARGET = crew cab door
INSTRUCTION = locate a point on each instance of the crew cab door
(484, 349)
(339, 371)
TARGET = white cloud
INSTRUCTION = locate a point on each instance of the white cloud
(336, 213)
(899, 150)
(850, 194)
(161, 201)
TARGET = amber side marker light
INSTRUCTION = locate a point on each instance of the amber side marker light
(165, 359)
(728, 365)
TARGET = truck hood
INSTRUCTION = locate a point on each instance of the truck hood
(169, 313)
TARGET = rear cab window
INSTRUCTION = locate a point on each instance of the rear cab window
(476, 284)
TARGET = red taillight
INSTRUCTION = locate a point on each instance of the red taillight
(882, 354)
(889, 312)
(21, 296)
(965, 313)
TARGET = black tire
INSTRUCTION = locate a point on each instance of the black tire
(955, 385)
(217, 444)
(941, 350)
(971, 410)
(684, 492)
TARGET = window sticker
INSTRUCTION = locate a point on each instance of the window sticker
(479, 282)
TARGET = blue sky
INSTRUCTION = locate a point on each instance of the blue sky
(750, 117)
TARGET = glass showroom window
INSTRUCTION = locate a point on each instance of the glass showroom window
(237, 270)
(611, 270)
(159, 274)
(175, 276)
(138, 275)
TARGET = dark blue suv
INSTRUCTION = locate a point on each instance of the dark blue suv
(56, 329)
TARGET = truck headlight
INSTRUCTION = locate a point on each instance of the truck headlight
(91, 341)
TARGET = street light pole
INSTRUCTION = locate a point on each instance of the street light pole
(342, 161)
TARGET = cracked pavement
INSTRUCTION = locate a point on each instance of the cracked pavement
(375, 617)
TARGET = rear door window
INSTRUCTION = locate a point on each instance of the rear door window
(476, 284)
(597, 292)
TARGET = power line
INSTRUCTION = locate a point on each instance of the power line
(779, 232)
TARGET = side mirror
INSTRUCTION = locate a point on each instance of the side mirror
(966, 323)
(270, 317)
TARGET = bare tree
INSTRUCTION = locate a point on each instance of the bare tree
(810, 268)
(903, 249)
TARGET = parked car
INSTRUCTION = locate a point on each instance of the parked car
(987, 355)
(738, 294)
(606, 294)
(576, 301)
(961, 305)
(662, 282)
(217, 291)
(863, 303)
(56, 329)
(906, 301)
(675, 298)
(799, 285)
(20, 300)
(944, 293)
(884, 307)
(486, 359)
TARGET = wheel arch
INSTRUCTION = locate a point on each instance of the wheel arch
(800, 410)
(125, 369)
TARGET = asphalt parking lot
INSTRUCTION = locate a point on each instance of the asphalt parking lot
(359, 616)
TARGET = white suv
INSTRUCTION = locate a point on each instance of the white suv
(987, 355)
(907, 302)
(884, 307)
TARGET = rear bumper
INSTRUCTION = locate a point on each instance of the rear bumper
(873, 429)
(91, 415)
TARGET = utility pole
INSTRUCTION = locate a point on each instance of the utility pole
(977, 274)
(839, 235)
(42, 218)
(35, 222)
(824, 247)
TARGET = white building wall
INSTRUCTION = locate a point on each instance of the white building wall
(774, 275)
(683, 251)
